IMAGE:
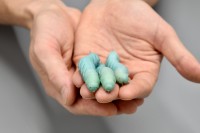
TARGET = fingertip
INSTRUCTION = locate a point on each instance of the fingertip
(139, 87)
(126, 92)
(126, 107)
(178, 55)
(85, 93)
(190, 71)
(139, 102)
(105, 97)
(77, 79)
(133, 91)
(92, 107)
(66, 97)
(68, 92)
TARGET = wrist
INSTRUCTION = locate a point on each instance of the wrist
(23, 12)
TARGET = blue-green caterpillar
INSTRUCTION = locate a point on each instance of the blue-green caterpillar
(121, 71)
(87, 67)
(107, 77)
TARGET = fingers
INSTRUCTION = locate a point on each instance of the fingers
(179, 56)
(79, 83)
(50, 61)
(105, 97)
(85, 93)
(128, 107)
(101, 95)
(92, 107)
(139, 102)
(77, 79)
(139, 87)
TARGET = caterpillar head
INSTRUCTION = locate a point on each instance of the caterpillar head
(92, 80)
(121, 76)
(108, 86)
(107, 78)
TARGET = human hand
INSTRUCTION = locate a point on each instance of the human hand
(140, 37)
(52, 26)
(52, 40)
(52, 37)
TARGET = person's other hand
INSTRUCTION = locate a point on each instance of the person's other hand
(52, 40)
(140, 37)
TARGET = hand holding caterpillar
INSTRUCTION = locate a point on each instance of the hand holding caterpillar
(94, 73)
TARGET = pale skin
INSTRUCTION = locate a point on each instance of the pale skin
(56, 30)
(140, 37)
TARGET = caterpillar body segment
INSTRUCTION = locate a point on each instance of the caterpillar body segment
(87, 67)
(120, 71)
(107, 77)
(95, 58)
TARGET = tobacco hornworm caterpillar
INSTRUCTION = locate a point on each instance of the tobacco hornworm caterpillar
(107, 77)
(87, 67)
(121, 71)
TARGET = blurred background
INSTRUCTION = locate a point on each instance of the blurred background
(171, 108)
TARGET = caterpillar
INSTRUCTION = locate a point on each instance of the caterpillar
(107, 77)
(120, 71)
(87, 67)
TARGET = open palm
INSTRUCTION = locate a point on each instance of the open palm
(140, 37)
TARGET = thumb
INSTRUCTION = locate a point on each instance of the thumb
(173, 49)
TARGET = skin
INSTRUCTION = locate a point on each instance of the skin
(140, 37)
(53, 25)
